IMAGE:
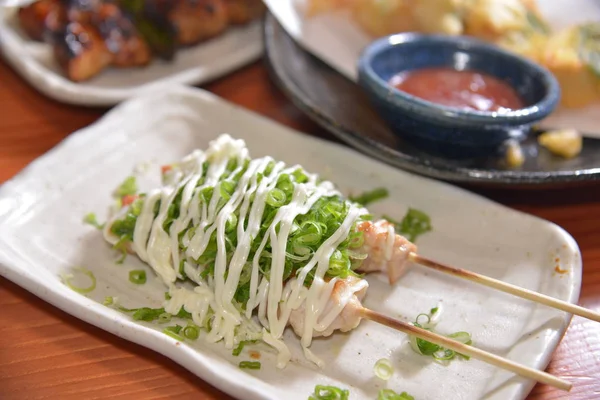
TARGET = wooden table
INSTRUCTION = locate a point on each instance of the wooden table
(46, 353)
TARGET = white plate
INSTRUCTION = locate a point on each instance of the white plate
(337, 40)
(198, 64)
(42, 234)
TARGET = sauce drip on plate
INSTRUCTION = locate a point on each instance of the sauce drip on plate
(466, 90)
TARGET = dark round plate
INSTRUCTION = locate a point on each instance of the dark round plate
(341, 107)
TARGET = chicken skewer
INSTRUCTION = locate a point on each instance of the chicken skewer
(353, 312)
(406, 252)
(530, 373)
(257, 238)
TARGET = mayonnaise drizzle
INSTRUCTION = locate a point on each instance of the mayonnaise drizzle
(213, 298)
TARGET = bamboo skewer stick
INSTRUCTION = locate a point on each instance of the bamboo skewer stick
(527, 372)
(507, 287)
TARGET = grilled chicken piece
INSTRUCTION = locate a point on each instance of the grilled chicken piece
(244, 11)
(121, 37)
(352, 288)
(197, 20)
(34, 18)
(81, 51)
(386, 254)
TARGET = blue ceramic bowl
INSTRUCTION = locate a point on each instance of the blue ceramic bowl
(445, 130)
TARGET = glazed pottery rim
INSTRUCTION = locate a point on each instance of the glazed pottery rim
(530, 180)
(377, 86)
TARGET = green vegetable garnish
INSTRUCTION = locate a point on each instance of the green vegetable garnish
(389, 394)
(90, 219)
(370, 196)
(108, 301)
(426, 348)
(238, 350)
(137, 276)
(174, 331)
(146, 313)
(164, 318)
(67, 280)
(124, 228)
(183, 314)
(127, 187)
(414, 224)
(249, 365)
(308, 233)
(329, 393)
(383, 369)
(152, 314)
(191, 332)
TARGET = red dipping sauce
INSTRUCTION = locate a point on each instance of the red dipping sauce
(466, 90)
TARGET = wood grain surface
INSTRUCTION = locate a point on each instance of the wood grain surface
(47, 354)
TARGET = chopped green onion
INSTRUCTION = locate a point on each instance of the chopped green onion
(285, 184)
(249, 365)
(152, 314)
(164, 318)
(329, 393)
(137, 276)
(167, 296)
(414, 224)
(463, 337)
(121, 246)
(238, 350)
(231, 223)
(146, 314)
(173, 331)
(183, 314)
(276, 198)
(389, 394)
(383, 369)
(191, 332)
(269, 168)
(226, 189)
(90, 219)
(83, 290)
(108, 301)
(300, 176)
(439, 353)
(127, 187)
(370, 196)
(426, 348)
(308, 239)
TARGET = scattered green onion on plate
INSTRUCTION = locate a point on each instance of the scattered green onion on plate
(329, 393)
(249, 365)
(370, 196)
(68, 280)
(383, 369)
(389, 394)
(137, 276)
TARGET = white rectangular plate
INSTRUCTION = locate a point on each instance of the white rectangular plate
(198, 64)
(338, 41)
(42, 235)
